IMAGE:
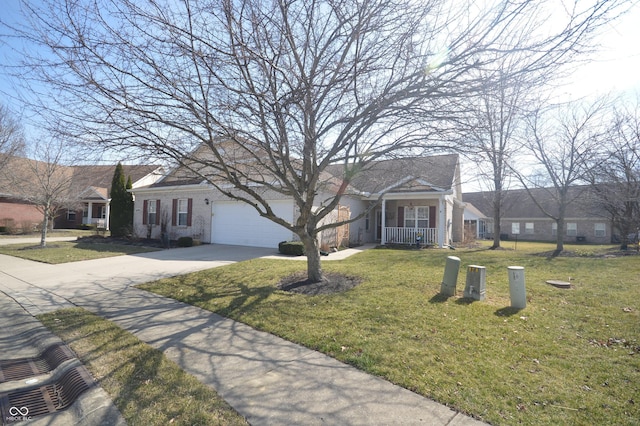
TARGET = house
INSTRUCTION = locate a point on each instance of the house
(82, 192)
(421, 197)
(522, 219)
(92, 184)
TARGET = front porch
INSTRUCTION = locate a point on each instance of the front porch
(96, 213)
(403, 218)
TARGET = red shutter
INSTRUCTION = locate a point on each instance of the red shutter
(157, 212)
(189, 210)
(400, 223)
(174, 212)
(432, 216)
(144, 212)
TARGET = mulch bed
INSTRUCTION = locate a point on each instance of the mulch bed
(332, 283)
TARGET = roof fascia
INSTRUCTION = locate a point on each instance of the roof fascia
(408, 195)
(173, 188)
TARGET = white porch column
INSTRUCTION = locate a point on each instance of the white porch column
(107, 214)
(89, 212)
(442, 226)
(384, 220)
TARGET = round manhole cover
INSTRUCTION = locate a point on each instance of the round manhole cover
(559, 284)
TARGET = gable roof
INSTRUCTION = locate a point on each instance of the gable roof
(416, 174)
(413, 174)
(517, 203)
(99, 178)
(85, 182)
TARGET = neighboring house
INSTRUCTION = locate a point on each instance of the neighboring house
(92, 184)
(421, 197)
(476, 223)
(84, 200)
(524, 220)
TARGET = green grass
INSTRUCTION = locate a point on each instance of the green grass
(571, 357)
(54, 233)
(147, 388)
(69, 251)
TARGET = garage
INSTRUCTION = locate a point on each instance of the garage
(237, 223)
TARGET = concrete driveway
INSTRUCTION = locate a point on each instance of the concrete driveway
(41, 288)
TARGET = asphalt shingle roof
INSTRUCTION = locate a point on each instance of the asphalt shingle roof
(517, 203)
(405, 175)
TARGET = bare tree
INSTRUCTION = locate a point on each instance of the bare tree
(615, 177)
(11, 137)
(43, 180)
(564, 141)
(492, 127)
(270, 93)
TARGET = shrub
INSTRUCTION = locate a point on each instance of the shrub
(28, 227)
(295, 248)
(185, 242)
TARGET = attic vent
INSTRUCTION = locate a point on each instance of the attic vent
(49, 359)
(46, 399)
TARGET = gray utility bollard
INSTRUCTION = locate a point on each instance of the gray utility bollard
(451, 268)
(476, 285)
(517, 288)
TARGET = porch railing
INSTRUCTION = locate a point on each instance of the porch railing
(99, 222)
(408, 235)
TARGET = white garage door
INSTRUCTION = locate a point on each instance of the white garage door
(237, 223)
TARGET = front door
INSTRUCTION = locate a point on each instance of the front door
(378, 225)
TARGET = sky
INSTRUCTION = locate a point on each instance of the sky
(616, 69)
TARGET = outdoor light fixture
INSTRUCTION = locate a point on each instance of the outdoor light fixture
(206, 201)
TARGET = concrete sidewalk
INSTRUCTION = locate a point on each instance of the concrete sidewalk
(266, 379)
(22, 337)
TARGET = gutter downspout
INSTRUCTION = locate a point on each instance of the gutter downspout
(382, 228)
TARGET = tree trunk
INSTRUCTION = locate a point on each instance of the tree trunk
(559, 237)
(314, 269)
(496, 230)
(497, 213)
(45, 227)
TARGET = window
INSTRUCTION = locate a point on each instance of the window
(183, 212)
(366, 222)
(572, 229)
(152, 215)
(554, 229)
(515, 228)
(421, 214)
(71, 215)
(600, 230)
(528, 228)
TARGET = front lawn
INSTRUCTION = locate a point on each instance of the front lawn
(571, 357)
(70, 251)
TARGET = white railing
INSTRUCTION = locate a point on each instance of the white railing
(409, 235)
(99, 222)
